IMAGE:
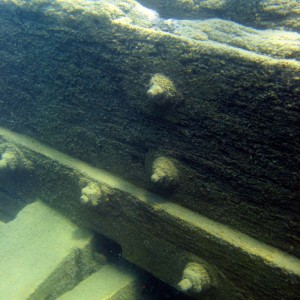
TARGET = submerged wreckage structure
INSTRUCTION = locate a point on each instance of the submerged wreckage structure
(170, 128)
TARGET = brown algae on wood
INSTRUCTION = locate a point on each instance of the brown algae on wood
(186, 230)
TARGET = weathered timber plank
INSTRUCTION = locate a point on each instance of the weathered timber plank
(76, 77)
(155, 234)
(43, 254)
(259, 13)
(109, 283)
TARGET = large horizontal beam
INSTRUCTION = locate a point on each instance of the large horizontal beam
(112, 84)
(159, 236)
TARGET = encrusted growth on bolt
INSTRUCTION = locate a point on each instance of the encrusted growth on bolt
(93, 194)
(164, 172)
(13, 158)
(163, 90)
(194, 278)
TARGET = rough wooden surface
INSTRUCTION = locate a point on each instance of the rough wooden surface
(257, 13)
(77, 79)
(109, 283)
(157, 235)
(44, 254)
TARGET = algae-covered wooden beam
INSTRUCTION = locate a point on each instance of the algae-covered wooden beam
(109, 283)
(119, 87)
(257, 13)
(44, 254)
(195, 254)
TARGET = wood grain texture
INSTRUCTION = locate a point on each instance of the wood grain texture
(155, 234)
(80, 85)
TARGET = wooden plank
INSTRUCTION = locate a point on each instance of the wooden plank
(40, 253)
(81, 85)
(109, 283)
(157, 235)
